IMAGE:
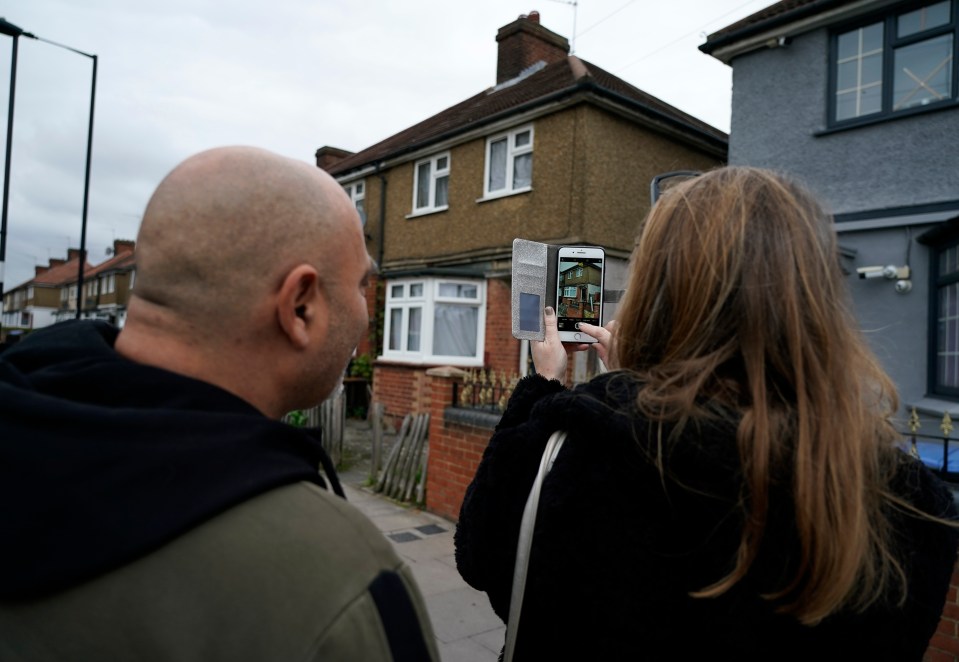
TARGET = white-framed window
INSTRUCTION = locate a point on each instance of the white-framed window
(509, 162)
(431, 179)
(357, 193)
(435, 320)
(108, 284)
(569, 292)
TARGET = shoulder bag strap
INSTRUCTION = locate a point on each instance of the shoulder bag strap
(526, 540)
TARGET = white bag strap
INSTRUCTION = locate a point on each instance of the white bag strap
(526, 540)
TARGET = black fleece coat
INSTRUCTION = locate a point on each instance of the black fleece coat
(618, 546)
(103, 460)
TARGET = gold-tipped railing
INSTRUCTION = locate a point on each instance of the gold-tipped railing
(484, 389)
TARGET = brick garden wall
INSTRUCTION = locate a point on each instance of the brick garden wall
(456, 446)
(944, 646)
(401, 389)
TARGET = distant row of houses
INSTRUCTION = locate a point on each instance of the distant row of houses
(51, 295)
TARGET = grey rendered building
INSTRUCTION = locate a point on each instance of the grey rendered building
(859, 100)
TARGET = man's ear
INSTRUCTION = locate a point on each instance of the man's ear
(301, 305)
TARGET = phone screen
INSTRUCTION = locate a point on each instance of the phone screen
(579, 295)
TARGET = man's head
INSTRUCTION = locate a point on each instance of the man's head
(251, 270)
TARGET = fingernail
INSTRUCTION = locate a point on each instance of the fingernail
(549, 311)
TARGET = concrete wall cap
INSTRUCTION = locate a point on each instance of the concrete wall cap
(446, 371)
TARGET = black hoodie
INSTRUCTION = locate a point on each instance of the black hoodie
(102, 460)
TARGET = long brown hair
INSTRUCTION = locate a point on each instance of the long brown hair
(735, 299)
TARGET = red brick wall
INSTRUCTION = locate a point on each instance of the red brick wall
(369, 343)
(401, 388)
(944, 645)
(455, 453)
(501, 348)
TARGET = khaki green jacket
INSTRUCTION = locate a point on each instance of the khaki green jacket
(295, 574)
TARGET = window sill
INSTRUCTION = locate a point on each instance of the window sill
(934, 406)
(887, 117)
(431, 362)
(426, 212)
(505, 194)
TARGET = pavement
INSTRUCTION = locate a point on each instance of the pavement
(465, 626)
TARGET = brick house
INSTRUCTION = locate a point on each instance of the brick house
(51, 295)
(558, 151)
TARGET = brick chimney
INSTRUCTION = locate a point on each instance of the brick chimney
(123, 246)
(73, 254)
(523, 43)
(327, 157)
(37, 270)
(56, 262)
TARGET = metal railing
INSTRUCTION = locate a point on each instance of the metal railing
(938, 452)
(486, 390)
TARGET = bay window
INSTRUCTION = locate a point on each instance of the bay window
(433, 320)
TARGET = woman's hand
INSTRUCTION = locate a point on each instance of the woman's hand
(549, 356)
(604, 334)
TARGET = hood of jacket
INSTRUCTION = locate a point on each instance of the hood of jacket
(103, 459)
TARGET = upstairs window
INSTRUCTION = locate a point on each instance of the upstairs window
(357, 193)
(431, 179)
(904, 62)
(509, 162)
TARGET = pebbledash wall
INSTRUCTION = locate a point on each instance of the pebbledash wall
(458, 437)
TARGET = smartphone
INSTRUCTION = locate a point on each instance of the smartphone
(579, 290)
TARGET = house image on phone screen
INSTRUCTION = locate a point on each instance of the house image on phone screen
(580, 285)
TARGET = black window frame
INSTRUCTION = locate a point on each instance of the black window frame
(890, 44)
(948, 238)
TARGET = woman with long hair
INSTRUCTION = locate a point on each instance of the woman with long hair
(732, 487)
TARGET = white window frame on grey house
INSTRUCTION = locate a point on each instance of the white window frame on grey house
(900, 63)
(509, 162)
(435, 320)
(431, 177)
(357, 192)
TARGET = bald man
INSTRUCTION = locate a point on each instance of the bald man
(153, 507)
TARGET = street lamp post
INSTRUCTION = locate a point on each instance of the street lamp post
(11, 30)
(15, 32)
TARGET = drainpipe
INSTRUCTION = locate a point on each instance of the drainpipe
(379, 259)
(378, 340)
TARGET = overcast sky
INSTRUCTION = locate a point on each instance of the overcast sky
(179, 76)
